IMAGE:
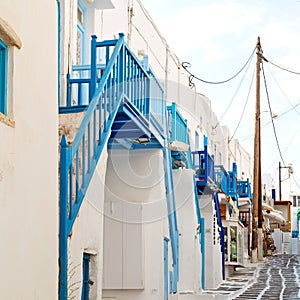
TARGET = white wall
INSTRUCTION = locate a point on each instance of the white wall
(213, 256)
(133, 243)
(189, 245)
(244, 162)
(87, 236)
(28, 157)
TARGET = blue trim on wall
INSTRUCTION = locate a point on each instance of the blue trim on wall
(166, 268)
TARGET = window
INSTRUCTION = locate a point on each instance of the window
(8, 40)
(294, 201)
(196, 141)
(80, 38)
(3, 76)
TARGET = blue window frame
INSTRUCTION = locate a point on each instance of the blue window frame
(3, 76)
(85, 277)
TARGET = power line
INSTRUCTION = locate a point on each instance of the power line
(271, 114)
(286, 148)
(244, 109)
(285, 112)
(280, 67)
(296, 182)
(233, 97)
(186, 65)
(284, 94)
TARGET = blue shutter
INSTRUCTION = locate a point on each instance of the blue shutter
(3, 76)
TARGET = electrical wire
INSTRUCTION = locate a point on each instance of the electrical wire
(233, 97)
(296, 182)
(186, 65)
(278, 66)
(287, 147)
(285, 112)
(244, 109)
(283, 93)
(271, 114)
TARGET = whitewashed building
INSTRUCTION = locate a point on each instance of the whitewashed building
(97, 186)
(28, 150)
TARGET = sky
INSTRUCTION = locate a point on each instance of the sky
(217, 38)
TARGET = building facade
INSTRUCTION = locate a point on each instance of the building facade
(97, 180)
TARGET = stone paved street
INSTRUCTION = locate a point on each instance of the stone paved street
(277, 279)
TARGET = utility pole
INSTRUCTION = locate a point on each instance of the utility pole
(257, 195)
(280, 182)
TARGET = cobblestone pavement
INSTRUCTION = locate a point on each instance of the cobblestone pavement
(277, 279)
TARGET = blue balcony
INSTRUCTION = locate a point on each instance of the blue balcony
(244, 189)
(178, 138)
(232, 183)
(205, 172)
(222, 178)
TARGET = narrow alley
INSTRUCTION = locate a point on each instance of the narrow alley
(278, 278)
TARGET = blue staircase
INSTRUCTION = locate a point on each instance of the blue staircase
(124, 104)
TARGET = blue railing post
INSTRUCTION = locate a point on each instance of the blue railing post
(171, 206)
(68, 91)
(93, 68)
(63, 216)
(122, 67)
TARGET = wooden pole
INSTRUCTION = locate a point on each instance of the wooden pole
(280, 182)
(257, 154)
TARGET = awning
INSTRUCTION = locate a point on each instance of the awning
(179, 146)
(244, 203)
(275, 216)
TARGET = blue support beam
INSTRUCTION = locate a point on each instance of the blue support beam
(173, 228)
(63, 216)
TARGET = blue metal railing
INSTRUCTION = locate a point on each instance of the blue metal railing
(244, 188)
(204, 166)
(232, 182)
(221, 178)
(138, 84)
(178, 129)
